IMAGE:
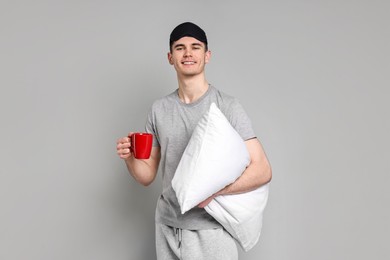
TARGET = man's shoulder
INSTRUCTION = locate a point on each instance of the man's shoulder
(224, 99)
(164, 101)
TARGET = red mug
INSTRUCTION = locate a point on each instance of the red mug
(141, 145)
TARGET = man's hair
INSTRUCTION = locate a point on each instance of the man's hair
(187, 29)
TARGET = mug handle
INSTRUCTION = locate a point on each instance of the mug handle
(132, 143)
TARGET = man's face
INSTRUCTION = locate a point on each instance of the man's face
(189, 56)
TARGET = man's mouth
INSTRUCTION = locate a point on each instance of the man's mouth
(188, 62)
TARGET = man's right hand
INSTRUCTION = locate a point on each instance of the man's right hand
(123, 147)
(144, 170)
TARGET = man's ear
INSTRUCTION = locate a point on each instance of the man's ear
(170, 58)
(208, 56)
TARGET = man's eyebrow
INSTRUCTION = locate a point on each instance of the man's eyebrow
(196, 44)
(183, 45)
(178, 45)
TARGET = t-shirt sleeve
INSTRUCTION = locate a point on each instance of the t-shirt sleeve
(240, 120)
(150, 127)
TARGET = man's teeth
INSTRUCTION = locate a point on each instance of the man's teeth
(188, 62)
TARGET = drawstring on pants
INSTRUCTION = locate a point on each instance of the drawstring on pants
(178, 234)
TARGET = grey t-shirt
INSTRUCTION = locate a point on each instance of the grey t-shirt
(172, 123)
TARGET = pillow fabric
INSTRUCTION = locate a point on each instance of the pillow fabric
(215, 156)
(241, 214)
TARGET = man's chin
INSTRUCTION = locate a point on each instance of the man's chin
(189, 73)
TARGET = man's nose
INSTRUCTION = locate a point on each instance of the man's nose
(188, 53)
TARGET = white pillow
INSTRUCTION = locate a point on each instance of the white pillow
(241, 215)
(215, 156)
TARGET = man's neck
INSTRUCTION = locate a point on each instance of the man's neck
(191, 89)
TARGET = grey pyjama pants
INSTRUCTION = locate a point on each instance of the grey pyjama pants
(181, 244)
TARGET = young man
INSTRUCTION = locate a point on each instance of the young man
(172, 119)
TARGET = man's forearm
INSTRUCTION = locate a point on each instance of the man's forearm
(255, 175)
(144, 171)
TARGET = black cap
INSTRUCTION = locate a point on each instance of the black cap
(187, 29)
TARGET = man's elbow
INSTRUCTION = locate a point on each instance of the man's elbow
(144, 180)
(268, 174)
(265, 174)
(146, 183)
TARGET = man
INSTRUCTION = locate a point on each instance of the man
(172, 119)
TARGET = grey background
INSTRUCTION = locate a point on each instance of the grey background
(76, 75)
